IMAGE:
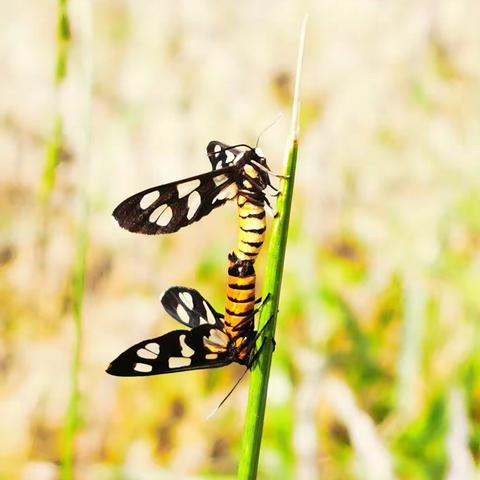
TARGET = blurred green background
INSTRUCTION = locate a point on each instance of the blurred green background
(376, 374)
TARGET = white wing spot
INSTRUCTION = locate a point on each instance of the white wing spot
(183, 314)
(148, 199)
(220, 179)
(194, 201)
(178, 362)
(161, 215)
(227, 193)
(211, 356)
(202, 321)
(165, 218)
(217, 148)
(144, 353)
(210, 316)
(230, 156)
(186, 350)
(219, 165)
(153, 347)
(142, 368)
(187, 299)
(185, 189)
(217, 339)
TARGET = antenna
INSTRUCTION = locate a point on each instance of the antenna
(214, 412)
(277, 118)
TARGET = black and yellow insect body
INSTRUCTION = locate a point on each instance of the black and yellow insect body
(208, 343)
(237, 172)
(240, 302)
(251, 217)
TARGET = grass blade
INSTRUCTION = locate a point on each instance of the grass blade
(55, 141)
(253, 428)
(81, 246)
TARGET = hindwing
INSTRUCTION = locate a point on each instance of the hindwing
(222, 155)
(187, 306)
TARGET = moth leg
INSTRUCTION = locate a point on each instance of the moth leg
(263, 300)
(273, 174)
(250, 317)
(255, 352)
(260, 332)
(251, 198)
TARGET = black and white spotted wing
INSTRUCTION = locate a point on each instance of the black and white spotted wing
(188, 307)
(202, 347)
(169, 207)
(222, 155)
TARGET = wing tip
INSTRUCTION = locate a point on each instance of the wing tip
(115, 217)
(111, 370)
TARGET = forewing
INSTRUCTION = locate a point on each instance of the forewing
(222, 155)
(187, 306)
(175, 351)
(169, 207)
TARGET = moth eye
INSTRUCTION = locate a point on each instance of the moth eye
(258, 151)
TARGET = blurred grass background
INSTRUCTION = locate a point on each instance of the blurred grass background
(377, 370)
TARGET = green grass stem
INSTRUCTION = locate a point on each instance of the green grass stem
(63, 41)
(81, 245)
(55, 141)
(254, 418)
(72, 416)
(52, 156)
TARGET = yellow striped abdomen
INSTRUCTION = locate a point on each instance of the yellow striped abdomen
(240, 302)
(252, 229)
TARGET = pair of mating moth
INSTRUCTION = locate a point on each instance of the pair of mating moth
(212, 339)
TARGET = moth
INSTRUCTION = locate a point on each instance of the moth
(237, 171)
(207, 343)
